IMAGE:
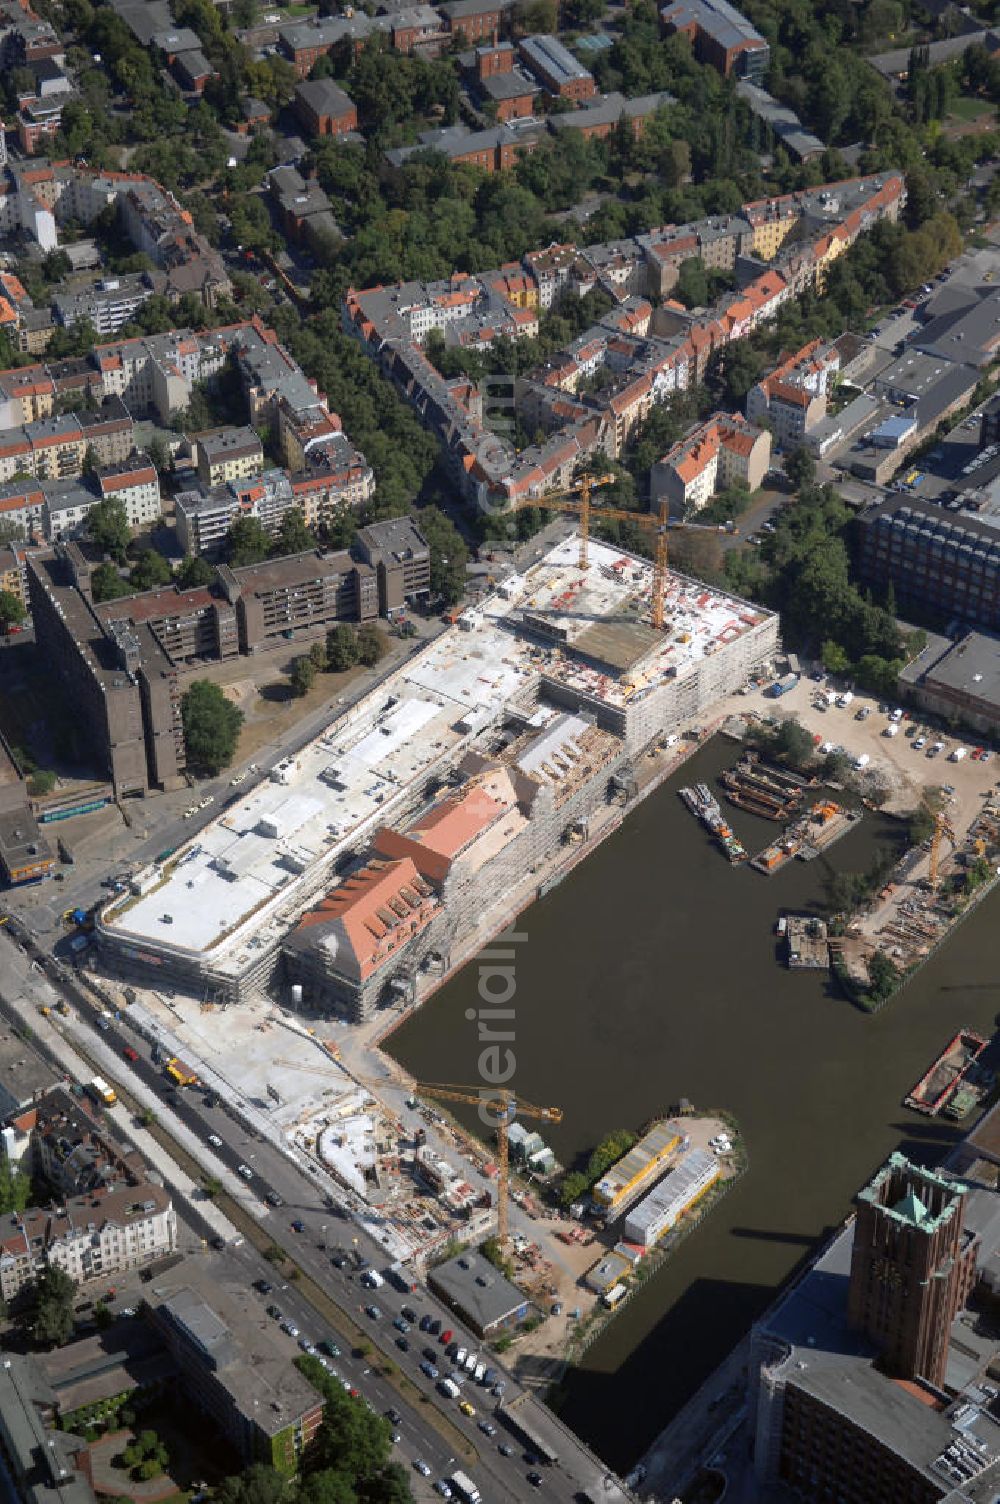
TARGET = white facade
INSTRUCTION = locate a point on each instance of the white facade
(656, 1214)
(98, 1235)
(138, 490)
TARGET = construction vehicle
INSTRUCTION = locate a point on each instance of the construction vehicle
(575, 499)
(181, 1073)
(501, 1103)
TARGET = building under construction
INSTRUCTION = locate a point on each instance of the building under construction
(372, 855)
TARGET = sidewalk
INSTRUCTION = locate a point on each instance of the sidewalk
(25, 990)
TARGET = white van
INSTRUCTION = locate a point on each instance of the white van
(372, 1279)
(862, 761)
(958, 754)
(891, 730)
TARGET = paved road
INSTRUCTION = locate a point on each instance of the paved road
(328, 1233)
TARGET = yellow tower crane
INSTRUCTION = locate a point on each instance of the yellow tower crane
(504, 1105)
(941, 828)
(576, 500)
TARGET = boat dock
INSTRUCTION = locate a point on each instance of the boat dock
(827, 822)
(806, 939)
(937, 1088)
(815, 831)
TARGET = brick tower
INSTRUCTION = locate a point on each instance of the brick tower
(913, 1266)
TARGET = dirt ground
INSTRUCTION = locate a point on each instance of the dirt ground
(566, 1265)
(908, 771)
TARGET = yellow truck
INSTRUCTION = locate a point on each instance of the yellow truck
(181, 1073)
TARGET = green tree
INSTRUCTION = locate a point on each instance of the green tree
(492, 1251)
(258, 1484)
(341, 648)
(159, 454)
(800, 467)
(107, 525)
(449, 554)
(293, 535)
(15, 1188)
(371, 646)
(150, 571)
(247, 542)
(574, 1187)
(11, 611)
(317, 657)
(211, 726)
(41, 782)
(194, 571)
(793, 742)
(303, 675)
(692, 283)
(390, 1486)
(107, 584)
(103, 1316)
(883, 975)
(835, 660)
(48, 1312)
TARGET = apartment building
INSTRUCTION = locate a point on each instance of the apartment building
(792, 397)
(233, 1367)
(324, 108)
(204, 518)
(107, 305)
(67, 504)
(723, 451)
(134, 482)
(556, 69)
(476, 20)
(22, 505)
(14, 570)
(720, 36)
(191, 626)
(114, 679)
(399, 553)
(284, 598)
(229, 455)
(104, 1233)
(944, 564)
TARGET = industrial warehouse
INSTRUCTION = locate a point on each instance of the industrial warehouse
(364, 862)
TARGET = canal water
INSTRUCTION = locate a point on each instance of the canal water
(651, 974)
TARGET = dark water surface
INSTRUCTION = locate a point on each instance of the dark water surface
(650, 974)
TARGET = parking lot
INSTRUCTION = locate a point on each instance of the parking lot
(906, 760)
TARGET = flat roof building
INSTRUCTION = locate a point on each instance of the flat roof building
(945, 563)
(399, 553)
(958, 680)
(869, 1377)
(476, 1291)
(232, 1365)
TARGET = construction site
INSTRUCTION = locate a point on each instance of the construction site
(354, 871)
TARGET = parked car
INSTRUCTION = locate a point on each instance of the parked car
(373, 1312)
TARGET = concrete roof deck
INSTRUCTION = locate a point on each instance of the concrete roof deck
(232, 889)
